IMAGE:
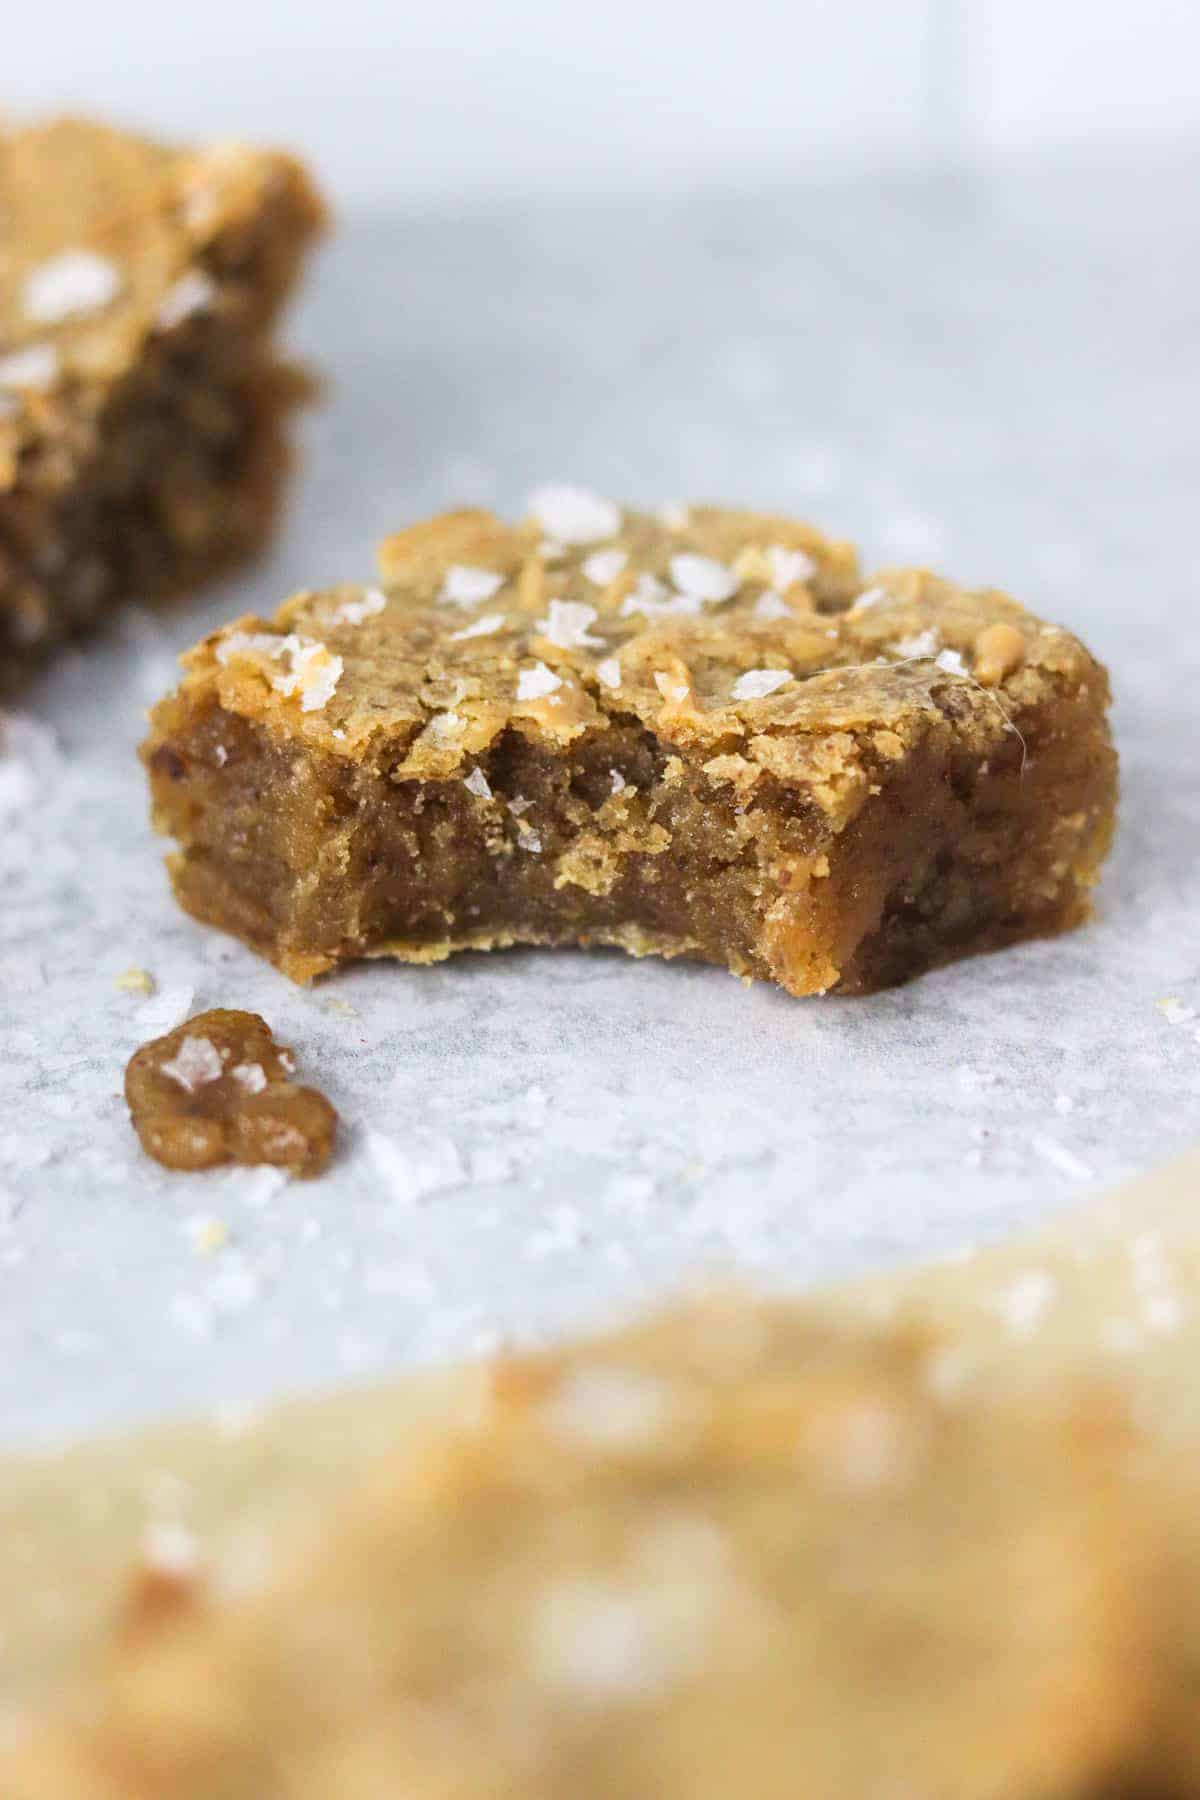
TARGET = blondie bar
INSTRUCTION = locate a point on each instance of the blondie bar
(143, 404)
(701, 733)
(730, 1552)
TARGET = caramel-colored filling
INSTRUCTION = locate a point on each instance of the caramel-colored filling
(314, 860)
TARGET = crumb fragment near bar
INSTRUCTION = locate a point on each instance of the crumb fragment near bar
(732, 1551)
(144, 406)
(218, 1089)
(135, 980)
(706, 737)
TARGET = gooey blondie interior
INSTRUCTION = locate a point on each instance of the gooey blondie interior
(700, 733)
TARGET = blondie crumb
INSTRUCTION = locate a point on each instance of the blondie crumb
(218, 1089)
(709, 737)
(144, 406)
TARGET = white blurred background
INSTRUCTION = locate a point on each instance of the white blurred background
(423, 100)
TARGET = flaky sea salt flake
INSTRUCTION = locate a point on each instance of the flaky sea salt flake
(567, 624)
(36, 366)
(703, 578)
(169, 1548)
(483, 627)
(603, 566)
(920, 644)
(190, 294)
(465, 586)
(195, 1063)
(603, 1407)
(756, 684)
(68, 285)
(536, 683)
(789, 567)
(354, 612)
(771, 605)
(1060, 1158)
(575, 515)
(1024, 1302)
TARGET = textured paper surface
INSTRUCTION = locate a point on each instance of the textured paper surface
(993, 380)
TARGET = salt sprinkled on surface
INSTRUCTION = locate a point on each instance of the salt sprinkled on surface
(170, 1548)
(872, 596)
(670, 687)
(353, 612)
(575, 515)
(483, 627)
(603, 566)
(951, 662)
(463, 586)
(948, 1372)
(311, 670)
(443, 728)
(771, 605)
(314, 674)
(756, 684)
(415, 1168)
(34, 367)
(74, 282)
(567, 625)
(193, 291)
(477, 783)
(536, 683)
(249, 643)
(1060, 1158)
(789, 566)
(601, 1407)
(1024, 1303)
(922, 643)
(618, 781)
(702, 577)
(1162, 1308)
(869, 1445)
(250, 1076)
(608, 672)
(528, 838)
(196, 1063)
(656, 602)
(603, 1643)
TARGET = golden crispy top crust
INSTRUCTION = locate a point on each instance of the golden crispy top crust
(108, 239)
(729, 1552)
(746, 639)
